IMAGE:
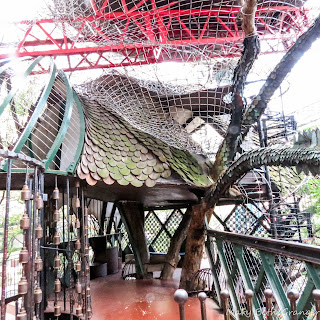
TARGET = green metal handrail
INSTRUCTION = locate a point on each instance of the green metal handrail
(228, 253)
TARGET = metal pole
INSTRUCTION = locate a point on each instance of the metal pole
(84, 258)
(69, 252)
(181, 296)
(262, 130)
(293, 296)
(64, 265)
(5, 242)
(42, 223)
(268, 294)
(202, 298)
(27, 266)
(225, 295)
(249, 295)
(33, 238)
(316, 297)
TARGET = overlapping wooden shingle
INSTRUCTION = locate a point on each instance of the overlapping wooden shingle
(116, 151)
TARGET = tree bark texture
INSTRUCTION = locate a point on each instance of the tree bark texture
(172, 257)
(274, 80)
(194, 245)
(249, 54)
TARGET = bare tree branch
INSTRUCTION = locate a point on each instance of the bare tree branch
(259, 104)
(249, 55)
(262, 157)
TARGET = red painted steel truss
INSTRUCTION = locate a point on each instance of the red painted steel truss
(160, 34)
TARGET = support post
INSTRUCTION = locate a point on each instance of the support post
(132, 215)
(225, 304)
(202, 298)
(5, 241)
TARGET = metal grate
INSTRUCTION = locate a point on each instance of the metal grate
(152, 227)
(160, 226)
(125, 239)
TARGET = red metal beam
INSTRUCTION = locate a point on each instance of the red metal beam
(160, 28)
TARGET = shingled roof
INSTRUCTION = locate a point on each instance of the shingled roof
(115, 151)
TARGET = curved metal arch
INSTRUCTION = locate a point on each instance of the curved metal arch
(72, 166)
(37, 110)
(71, 99)
(64, 125)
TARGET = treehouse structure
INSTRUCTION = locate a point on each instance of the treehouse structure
(139, 139)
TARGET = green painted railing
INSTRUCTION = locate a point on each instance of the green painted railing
(240, 262)
(71, 104)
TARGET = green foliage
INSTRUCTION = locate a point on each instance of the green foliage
(15, 213)
(313, 189)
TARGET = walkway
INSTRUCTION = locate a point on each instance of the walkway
(117, 299)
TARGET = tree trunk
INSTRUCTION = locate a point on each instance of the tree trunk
(194, 245)
(172, 257)
(133, 217)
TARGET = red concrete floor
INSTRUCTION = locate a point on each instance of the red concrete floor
(117, 299)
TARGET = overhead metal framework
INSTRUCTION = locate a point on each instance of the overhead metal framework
(160, 34)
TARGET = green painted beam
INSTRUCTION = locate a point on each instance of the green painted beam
(314, 274)
(260, 280)
(276, 286)
(57, 172)
(238, 250)
(64, 125)
(13, 91)
(224, 266)
(306, 299)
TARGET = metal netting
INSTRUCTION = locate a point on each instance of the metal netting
(173, 61)
(160, 226)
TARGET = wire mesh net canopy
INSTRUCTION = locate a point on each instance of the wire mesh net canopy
(161, 76)
(172, 61)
